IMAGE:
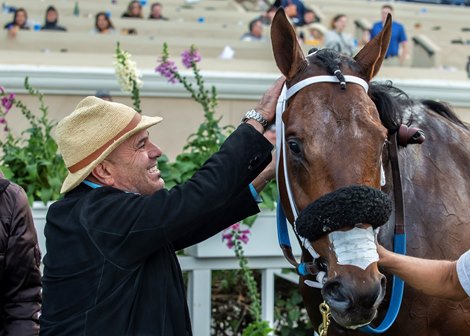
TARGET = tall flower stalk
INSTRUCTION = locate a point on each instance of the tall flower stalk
(128, 76)
(200, 146)
(31, 159)
(235, 237)
(209, 135)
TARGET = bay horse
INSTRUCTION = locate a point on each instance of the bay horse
(335, 150)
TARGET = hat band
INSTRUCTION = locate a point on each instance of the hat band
(96, 154)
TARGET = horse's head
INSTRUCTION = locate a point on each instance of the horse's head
(333, 145)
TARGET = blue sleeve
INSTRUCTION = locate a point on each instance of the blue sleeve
(255, 194)
(375, 30)
(402, 36)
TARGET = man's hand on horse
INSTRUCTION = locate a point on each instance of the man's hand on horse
(267, 105)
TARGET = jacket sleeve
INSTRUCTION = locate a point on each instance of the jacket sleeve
(21, 284)
(242, 206)
(148, 223)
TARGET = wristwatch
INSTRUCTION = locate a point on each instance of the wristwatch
(252, 114)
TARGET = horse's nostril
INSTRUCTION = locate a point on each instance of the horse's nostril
(335, 294)
(383, 283)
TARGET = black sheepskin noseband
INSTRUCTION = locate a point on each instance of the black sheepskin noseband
(342, 208)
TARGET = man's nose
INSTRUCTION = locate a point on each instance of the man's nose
(155, 151)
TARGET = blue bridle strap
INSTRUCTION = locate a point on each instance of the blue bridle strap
(282, 233)
(399, 241)
(284, 241)
(397, 293)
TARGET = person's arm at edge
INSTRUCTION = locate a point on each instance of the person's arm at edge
(403, 40)
(404, 52)
(433, 277)
(22, 301)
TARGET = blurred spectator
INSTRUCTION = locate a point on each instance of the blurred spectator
(310, 17)
(337, 39)
(103, 24)
(313, 34)
(52, 16)
(134, 10)
(20, 22)
(267, 17)
(104, 94)
(255, 33)
(397, 40)
(295, 9)
(156, 12)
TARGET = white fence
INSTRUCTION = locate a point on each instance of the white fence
(199, 285)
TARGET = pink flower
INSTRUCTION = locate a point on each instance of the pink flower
(2, 90)
(233, 233)
(167, 69)
(188, 57)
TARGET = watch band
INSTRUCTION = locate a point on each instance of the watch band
(252, 114)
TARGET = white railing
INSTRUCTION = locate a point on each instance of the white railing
(199, 285)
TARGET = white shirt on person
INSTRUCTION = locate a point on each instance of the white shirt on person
(463, 271)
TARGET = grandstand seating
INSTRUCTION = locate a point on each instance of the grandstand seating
(212, 25)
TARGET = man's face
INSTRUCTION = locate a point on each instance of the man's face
(133, 165)
(257, 29)
(156, 11)
(384, 12)
(51, 16)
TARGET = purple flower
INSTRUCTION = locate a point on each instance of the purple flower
(2, 90)
(188, 57)
(167, 69)
(7, 102)
(3, 121)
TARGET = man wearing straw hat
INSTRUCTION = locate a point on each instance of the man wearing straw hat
(110, 267)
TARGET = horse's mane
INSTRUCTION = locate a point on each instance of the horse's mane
(391, 102)
(444, 110)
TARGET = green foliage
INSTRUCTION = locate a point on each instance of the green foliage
(291, 319)
(31, 160)
(259, 328)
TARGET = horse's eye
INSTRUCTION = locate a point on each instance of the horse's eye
(294, 146)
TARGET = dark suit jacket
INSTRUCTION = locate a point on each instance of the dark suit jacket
(110, 267)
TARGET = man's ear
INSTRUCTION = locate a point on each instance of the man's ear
(102, 174)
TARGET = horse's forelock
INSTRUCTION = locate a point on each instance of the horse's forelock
(331, 60)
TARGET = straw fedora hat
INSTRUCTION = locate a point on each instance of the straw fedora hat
(91, 132)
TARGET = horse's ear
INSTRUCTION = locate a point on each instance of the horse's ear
(287, 51)
(370, 57)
